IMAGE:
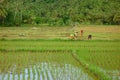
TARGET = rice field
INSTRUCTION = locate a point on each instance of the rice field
(51, 55)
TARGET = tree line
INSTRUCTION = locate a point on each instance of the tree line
(59, 12)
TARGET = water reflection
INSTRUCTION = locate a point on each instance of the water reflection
(47, 71)
(113, 74)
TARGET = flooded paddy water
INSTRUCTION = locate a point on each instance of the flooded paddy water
(41, 66)
(47, 71)
(113, 74)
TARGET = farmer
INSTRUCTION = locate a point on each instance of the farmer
(76, 35)
(89, 36)
(81, 32)
(72, 36)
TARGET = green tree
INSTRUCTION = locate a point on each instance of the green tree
(3, 12)
(59, 12)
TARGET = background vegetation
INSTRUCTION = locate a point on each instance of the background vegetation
(59, 12)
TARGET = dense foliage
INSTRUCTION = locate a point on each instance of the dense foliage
(59, 12)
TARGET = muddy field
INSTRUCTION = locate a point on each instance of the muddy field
(98, 32)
